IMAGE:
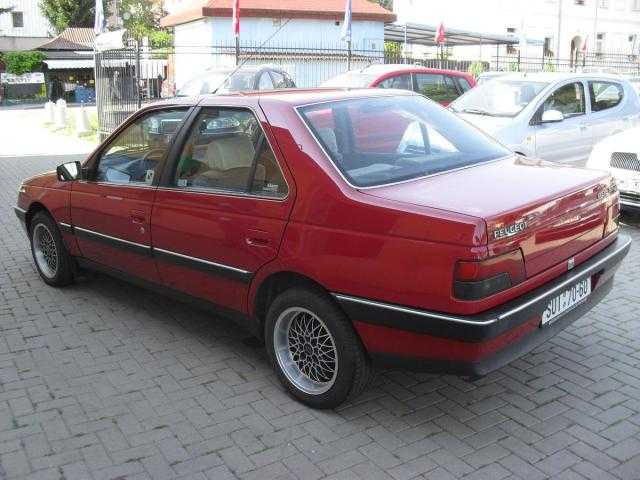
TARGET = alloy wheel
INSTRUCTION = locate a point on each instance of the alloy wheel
(305, 350)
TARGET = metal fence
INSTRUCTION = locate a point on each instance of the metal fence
(595, 63)
(127, 78)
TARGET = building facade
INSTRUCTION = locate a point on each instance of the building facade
(200, 32)
(24, 27)
(560, 27)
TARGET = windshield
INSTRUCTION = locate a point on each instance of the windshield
(217, 82)
(498, 98)
(350, 80)
(375, 141)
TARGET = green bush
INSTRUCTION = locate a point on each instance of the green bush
(475, 69)
(23, 62)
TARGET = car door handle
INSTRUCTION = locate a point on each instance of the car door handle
(257, 241)
(138, 216)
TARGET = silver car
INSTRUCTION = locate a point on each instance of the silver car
(554, 116)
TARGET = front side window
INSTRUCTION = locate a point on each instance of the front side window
(376, 141)
(604, 95)
(402, 82)
(498, 98)
(439, 88)
(228, 151)
(568, 99)
(136, 154)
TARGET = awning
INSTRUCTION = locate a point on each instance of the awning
(69, 64)
(420, 34)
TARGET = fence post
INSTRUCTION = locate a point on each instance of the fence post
(137, 78)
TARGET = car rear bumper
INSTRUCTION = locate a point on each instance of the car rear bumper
(421, 340)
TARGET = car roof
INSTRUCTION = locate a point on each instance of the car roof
(384, 68)
(551, 77)
(290, 96)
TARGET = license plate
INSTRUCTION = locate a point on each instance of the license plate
(566, 300)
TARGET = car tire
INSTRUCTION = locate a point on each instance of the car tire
(50, 254)
(314, 349)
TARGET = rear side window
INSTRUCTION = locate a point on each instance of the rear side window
(605, 95)
(439, 88)
(403, 82)
(376, 141)
(464, 84)
(228, 151)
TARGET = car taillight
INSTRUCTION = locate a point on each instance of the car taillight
(613, 218)
(474, 280)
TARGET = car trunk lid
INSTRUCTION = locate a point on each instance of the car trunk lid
(549, 211)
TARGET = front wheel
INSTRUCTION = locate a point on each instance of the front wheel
(49, 252)
(314, 349)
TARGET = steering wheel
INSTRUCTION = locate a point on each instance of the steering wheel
(153, 150)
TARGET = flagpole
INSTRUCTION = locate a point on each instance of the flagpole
(349, 54)
(237, 50)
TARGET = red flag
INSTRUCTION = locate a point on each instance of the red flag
(439, 37)
(584, 45)
(236, 18)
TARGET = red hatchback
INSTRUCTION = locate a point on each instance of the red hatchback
(343, 227)
(442, 86)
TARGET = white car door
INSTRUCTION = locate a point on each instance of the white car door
(569, 140)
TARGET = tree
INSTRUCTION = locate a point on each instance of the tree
(68, 13)
(5, 9)
(23, 62)
(141, 18)
(388, 4)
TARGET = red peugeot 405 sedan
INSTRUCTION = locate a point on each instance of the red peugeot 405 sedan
(346, 228)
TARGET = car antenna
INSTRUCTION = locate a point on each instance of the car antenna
(241, 64)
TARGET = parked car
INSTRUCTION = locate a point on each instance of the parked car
(343, 227)
(553, 116)
(227, 80)
(635, 83)
(619, 155)
(484, 77)
(442, 86)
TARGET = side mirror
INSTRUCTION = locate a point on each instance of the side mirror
(552, 116)
(67, 172)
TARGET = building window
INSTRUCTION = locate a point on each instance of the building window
(600, 42)
(18, 19)
(578, 2)
(636, 5)
(603, 3)
(548, 42)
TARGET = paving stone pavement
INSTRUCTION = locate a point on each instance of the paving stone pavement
(103, 380)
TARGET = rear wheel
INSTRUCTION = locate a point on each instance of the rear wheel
(49, 252)
(314, 349)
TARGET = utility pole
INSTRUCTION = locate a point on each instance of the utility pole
(559, 32)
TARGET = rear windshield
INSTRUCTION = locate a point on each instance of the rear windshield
(376, 141)
(350, 80)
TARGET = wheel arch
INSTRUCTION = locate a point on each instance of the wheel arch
(276, 283)
(34, 208)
